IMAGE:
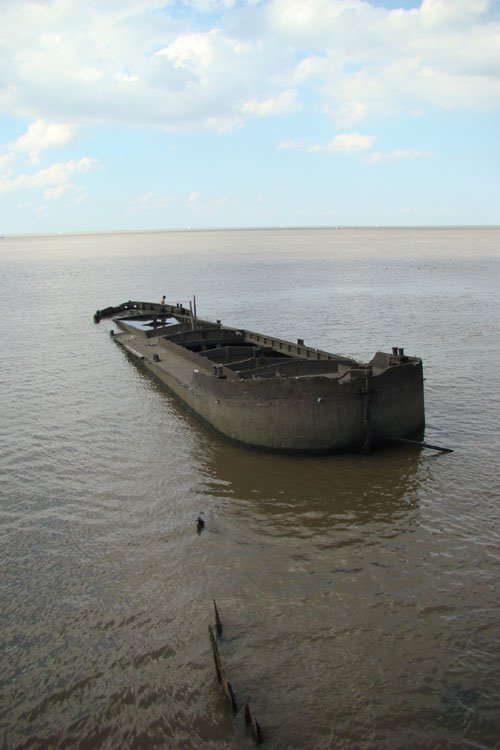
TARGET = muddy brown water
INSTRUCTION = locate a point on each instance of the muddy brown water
(358, 594)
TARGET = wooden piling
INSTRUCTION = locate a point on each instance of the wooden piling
(215, 650)
(229, 692)
(248, 715)
(221, 674)
(257, 732)
(218, 624)
(254, 724)
(251, 723)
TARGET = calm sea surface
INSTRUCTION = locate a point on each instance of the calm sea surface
(359, 594)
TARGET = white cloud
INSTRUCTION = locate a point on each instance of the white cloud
(193, 198)
(43, 135)
(210, 6)
(282, 103)
(347, 142)
(396, 155)
(291, 144)
(6, 162)
(126, 78)
(341, 143)
(192, 51)
(53, 181)
(81, 61)
(54, 193)
(372, 62)
(442, 13)
(153, 201)
(310, 67)
(89, 75)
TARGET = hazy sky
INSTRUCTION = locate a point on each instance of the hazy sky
(158, 114)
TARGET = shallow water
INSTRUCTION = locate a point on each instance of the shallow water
(359, 595)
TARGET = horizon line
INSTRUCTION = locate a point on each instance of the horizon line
(264, 228)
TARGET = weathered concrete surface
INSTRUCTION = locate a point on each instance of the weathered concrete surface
(324, 413)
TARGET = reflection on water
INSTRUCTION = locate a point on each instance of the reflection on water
(318, 492)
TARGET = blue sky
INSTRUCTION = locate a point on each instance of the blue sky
(119, 114)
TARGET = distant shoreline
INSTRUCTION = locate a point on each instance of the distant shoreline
(186, 230)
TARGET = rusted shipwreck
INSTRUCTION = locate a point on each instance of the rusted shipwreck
(270, 393)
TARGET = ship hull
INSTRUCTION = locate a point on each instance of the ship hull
(347, 407)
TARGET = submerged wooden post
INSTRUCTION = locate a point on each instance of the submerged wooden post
(228, 688)
(248, 715)
(215, 650)
(229, 692)
(221, 675)
(419, 444)
(254, 724)
(218, 624)
(257, 732)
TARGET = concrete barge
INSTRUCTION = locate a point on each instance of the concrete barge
(269, 393)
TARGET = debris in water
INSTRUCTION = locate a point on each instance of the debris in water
(200, 522)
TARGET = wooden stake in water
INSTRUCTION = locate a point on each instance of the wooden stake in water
(215, 650)
(257, 732)
(251, 722)
(229, 692)
(218, 624)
